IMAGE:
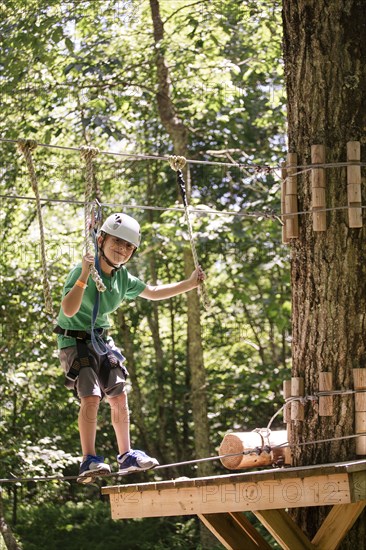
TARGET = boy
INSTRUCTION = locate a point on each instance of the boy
(90, 372)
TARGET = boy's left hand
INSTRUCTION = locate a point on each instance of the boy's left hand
(197, 277)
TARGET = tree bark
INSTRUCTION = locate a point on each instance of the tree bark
(324, 53)
(179, 135)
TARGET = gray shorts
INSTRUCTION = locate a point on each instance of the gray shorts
(89, 382)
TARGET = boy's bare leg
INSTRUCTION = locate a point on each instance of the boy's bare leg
(88, 423)
(121, 421)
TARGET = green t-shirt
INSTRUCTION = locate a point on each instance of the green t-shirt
(121, 286)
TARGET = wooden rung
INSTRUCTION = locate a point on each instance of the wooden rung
(319, 221)
(354, 193)
(359, 383)
(354, 185)
(285, 239)
(355, 217)
(291, 169)
(360, 422)
(325, 402)
(359, 378)
(354, 155)
(318, 197)
(318, 184)
(297, 390)
(360, 401)
(292, 222)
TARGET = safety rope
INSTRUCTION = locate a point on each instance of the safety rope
(315, 397)
(177, 163)
(259, 168)
(15, 479)
(88, 154)
(26, 146)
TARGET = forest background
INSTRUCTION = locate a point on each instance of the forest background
(76, 73)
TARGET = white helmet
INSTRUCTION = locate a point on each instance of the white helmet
(123, 227)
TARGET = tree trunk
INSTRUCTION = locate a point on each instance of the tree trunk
(6, 532)
(324, 52)
(179, 135)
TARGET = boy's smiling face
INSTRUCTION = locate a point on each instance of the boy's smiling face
(118, 251)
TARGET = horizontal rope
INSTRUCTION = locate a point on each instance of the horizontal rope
(178, 464)
(292, 445)
(257, 167)
(247, 214)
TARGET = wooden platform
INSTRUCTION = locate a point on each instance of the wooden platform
(221, 500)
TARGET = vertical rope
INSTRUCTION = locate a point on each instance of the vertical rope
(177, 163)
(88, 154)
(26, 146)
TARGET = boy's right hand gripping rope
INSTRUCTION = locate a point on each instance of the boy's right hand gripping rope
(177, 163)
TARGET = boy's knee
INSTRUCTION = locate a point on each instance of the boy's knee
(90, 400)
(118, 401)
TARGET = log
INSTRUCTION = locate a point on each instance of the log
(259, 450)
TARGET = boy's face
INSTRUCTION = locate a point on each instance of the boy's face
(117, 250)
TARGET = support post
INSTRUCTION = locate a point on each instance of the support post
(318, 184)
(325, 402)
(354, 185)
(359, 383)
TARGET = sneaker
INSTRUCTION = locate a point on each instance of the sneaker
(135, 461)
(93, 466)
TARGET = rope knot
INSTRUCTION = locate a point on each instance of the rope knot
(177, 163)
(25, 145)
(88, 152)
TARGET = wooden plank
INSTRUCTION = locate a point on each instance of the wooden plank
(234, 531)
(262, 475)
(284, 530)
(242, 495)
(337, 524)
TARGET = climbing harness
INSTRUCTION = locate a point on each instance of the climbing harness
(177, 164)
(112, 358)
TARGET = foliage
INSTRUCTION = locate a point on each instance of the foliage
(82, 72)
(74, 525)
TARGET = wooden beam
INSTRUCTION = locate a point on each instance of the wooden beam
(337, 524)
(284, 530)
(234, 531)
